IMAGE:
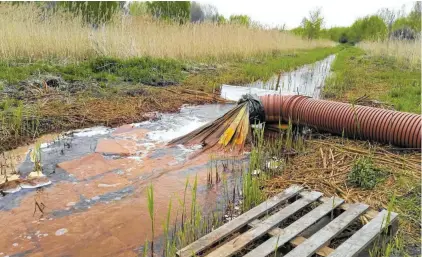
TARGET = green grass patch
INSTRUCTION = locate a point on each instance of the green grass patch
(145, 70)
(381, 78)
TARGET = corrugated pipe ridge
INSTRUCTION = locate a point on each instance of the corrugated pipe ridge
(355, 121)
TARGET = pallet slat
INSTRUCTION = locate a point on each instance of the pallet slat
(235, 245)
(294, 229)
(323, 251)
(363, 237)
(323, 236)
(237, 223)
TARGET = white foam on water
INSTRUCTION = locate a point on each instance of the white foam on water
(235, 92)
(94, 131)
(13, 190)
(61, 231)
(45, 145)
(108, 185)
(136, 158)
(175, 131)
(28, 186)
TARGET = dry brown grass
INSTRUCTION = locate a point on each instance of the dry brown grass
(406, 50)
(26, 32)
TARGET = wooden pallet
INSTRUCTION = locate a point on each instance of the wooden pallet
(263, 222)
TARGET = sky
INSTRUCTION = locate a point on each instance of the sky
(291, 13)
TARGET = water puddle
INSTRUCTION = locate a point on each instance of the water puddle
(96, 202)
(307, 80)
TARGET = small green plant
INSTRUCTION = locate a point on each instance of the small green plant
(145, 251)
(36, 157)
(150, 191)
(364, 174)
(166, 232)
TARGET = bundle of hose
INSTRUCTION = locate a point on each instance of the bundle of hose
(228, 132)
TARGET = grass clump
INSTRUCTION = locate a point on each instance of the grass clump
(145, 70)
(364, 174)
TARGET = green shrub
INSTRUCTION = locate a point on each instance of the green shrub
(364, 174)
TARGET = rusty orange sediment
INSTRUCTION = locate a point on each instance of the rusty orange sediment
(77, 221)
(356, 121)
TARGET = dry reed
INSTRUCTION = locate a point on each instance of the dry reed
(405, 50)
(30, 33)
(326, 164)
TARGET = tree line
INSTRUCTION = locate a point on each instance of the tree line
(99, 12)
(386, 24)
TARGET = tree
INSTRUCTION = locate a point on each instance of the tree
(402, 26)
(415, 17)
(338, 34)
(389, 17)
(93, 12)
(178, 11)
(138, 8)
(221, 19)
(210, 12)
(312, 25)
(368, 28)
(203, 12)
(196, 13)
(240, 19)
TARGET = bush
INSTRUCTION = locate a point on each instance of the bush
(177, 11)
(93, 12)
(364, 174)
(243, 20)
(404, 33)
(368, 28)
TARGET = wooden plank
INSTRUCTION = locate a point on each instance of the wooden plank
(237, 223)
(364, 236)
(238, 243)
(324, 235)
(370, 213)
(295, 228)
(323, 251)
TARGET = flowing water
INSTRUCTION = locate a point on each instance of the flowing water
(96, 204)
(307, 80)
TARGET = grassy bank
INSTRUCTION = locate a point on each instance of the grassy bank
(46, 96)
(256, 68)
(389, 80)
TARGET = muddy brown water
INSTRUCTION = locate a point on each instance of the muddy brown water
(96, 204)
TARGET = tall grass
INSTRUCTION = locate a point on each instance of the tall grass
(31, 33)
(405, 50)
(17, 122)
